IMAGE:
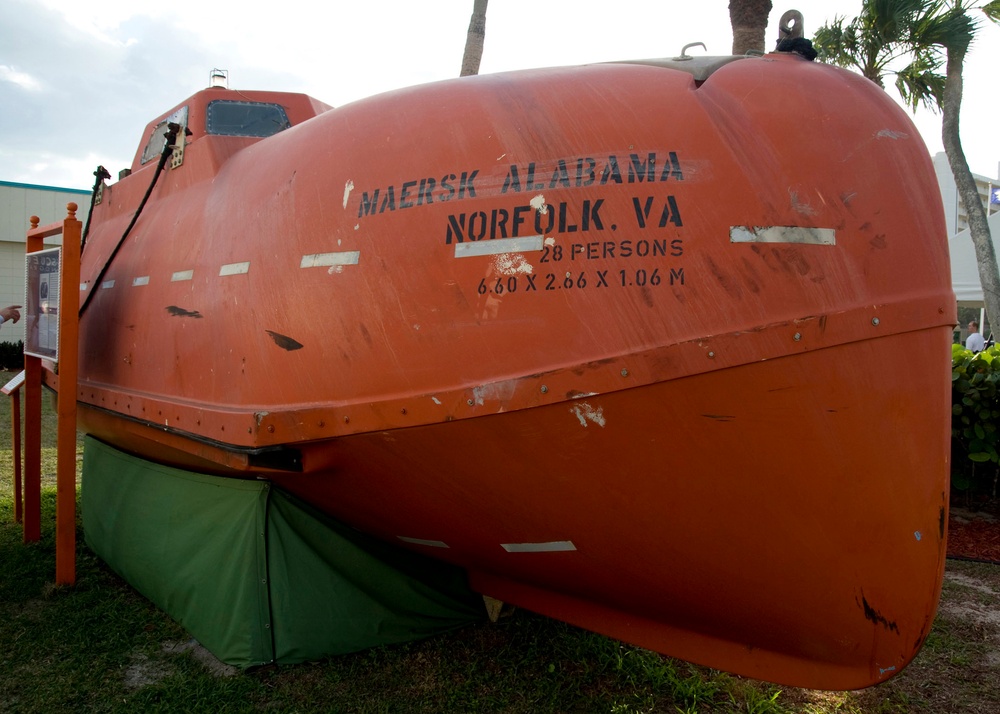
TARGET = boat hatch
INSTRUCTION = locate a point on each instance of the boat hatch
(236, 118)
(154, 147)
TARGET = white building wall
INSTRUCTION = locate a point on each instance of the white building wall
(956, 218)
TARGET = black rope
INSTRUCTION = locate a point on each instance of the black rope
(800, 46)
(168, 149)
(101, 174)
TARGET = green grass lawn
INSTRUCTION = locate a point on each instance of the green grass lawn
(98, 646)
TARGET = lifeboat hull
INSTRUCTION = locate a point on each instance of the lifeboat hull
(663, 358)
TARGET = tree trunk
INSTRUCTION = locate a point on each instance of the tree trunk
(749, 21)
(475, 39)
(979, 227)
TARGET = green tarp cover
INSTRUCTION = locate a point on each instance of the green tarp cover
(255, 574)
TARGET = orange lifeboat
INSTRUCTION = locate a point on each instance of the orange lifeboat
(658, 349)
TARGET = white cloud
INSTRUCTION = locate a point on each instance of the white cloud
(102, 20)
(21, 79)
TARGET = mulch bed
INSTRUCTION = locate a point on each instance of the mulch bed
(974, 535)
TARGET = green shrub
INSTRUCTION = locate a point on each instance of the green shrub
(975, 421)
(12, 356)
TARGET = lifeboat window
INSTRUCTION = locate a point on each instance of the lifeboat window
(231, 118)
(155, 145)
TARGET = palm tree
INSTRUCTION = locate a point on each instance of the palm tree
(749, 21)
(929, 34)
(475, 39)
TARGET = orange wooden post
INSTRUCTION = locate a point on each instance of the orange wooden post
(32, 523)
(69, 305)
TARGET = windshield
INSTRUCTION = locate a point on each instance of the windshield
(232, 118)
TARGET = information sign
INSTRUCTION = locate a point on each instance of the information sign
(41, 303)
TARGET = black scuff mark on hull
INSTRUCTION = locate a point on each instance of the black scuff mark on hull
(720, 417)
(877, 617)
(181, 312)
(366, 335)
(284, 342)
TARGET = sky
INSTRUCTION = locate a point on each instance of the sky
(79, 81)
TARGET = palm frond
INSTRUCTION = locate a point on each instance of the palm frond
(887, 31)
(920, 84)
(992, 10)
(952, 29)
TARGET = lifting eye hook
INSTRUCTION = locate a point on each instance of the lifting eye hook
(790, 25)
(685, 48)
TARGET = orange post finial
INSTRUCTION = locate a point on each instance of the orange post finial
(34, 222)
(71, 209)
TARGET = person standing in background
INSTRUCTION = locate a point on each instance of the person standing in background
(974, 341)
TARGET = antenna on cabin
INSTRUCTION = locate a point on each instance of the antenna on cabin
(219, 78)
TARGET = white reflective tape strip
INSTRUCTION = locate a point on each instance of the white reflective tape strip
(144, 280)
(783, 234)
(234, 269)
(497, 246)
(107, 284)
(83, 286)
(182, 275)
(421, 541)
(325, 260)
(551, 546)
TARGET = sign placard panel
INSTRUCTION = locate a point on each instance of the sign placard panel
(41, 303)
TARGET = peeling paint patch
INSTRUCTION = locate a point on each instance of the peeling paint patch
(498, 246)
(512, 264)
(421, 541)
(799, 205)
(554, 546)
(436, 400)
(890, 134)
(538, 203)
(783, 234)
(584, 412)
(323, 260)
(918, 535)
(498, 391)
(284, 342)
(348, 187)
(181, 312)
